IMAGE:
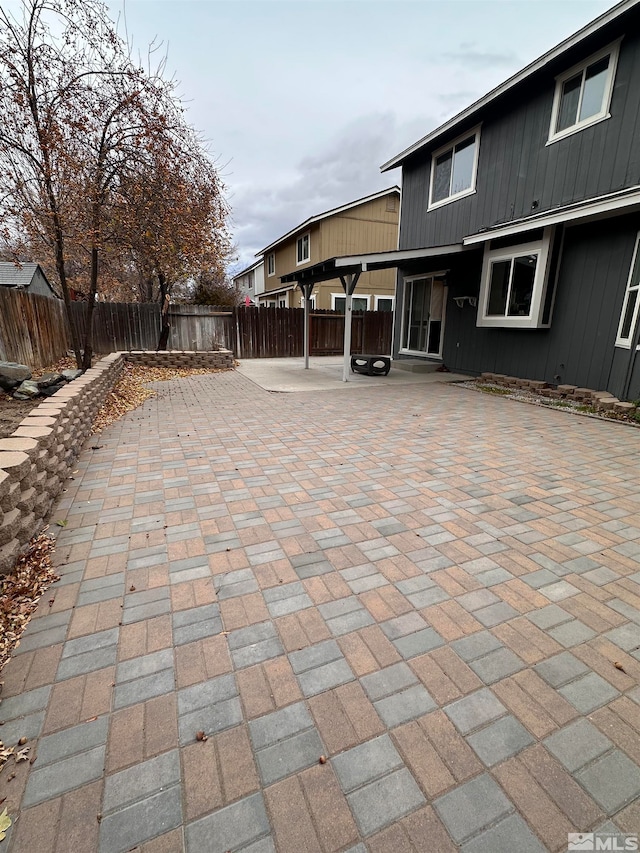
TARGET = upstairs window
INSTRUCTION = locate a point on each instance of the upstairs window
(453, 170)
(302, 249)
(271, 264)
(631, 304)
(583, 94)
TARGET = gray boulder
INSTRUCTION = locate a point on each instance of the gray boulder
(12, 374)
(50, 390)
(27, 390)
(70, 375)
(48, 380)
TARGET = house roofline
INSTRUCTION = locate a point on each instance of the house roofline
(253, 266)
(598, 206)
(318, 217)
(36, 266)
(522, 75)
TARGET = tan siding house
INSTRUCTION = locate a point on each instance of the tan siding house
(369, 224)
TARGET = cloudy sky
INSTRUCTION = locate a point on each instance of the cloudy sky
(302, 100)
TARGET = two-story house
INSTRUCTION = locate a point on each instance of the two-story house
(527, 204)
(519, 235)
(250, 281)
(368, 224)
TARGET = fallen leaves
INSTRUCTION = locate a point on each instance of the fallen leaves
(201, 736)
(5, 823)
(21, 590)
(619, 666)
(130, 391)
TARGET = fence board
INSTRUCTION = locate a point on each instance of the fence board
(33, 328)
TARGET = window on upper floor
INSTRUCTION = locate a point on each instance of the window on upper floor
(271, 264)
(583, 93)
(631, 304)
(514, 284)
(303, 248)
(453, 170)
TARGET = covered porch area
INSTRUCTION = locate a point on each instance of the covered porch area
(420, 310)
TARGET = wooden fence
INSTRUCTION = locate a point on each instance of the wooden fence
(33, 328)
(277, 332)
(120, 325)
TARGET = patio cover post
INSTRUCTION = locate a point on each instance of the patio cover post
(349, 282)
(307, 290)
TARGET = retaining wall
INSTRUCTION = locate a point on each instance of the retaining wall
(39, 456)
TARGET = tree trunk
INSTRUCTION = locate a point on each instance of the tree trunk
(166, 326)
(91, 304)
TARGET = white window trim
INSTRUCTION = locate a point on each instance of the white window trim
(271, 272)
(432, 205)
(625, 343)
(378, 298)
(335, 296)
(533, 320)
(612, 50)
(306, 260)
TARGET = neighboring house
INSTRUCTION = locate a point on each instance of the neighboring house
(532, 195)
(369, 224)
(250, 282)
(28, 277)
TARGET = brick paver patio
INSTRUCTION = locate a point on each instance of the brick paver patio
(438, 591)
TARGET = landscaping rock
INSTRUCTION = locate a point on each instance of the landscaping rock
(27, 390)
(12, 374)
(50, 390)
(49, 379)
(70, 375)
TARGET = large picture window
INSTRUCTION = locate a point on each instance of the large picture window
(514, 283)
(453, 170)
(583, 94)
(631, 304)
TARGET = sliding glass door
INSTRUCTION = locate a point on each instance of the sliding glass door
(423, 315)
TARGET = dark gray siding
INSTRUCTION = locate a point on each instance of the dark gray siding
(517, 168)
(579, 347)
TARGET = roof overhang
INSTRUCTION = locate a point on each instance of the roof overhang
(353, 264)
(333, 212)
(471, 111)
(595, 208)
(266, 294)
(253, 266)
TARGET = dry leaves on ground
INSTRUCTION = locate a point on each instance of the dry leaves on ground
(130, 390)
(20, 592)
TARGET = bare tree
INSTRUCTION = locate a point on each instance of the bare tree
(96, 159)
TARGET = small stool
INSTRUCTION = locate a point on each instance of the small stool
(372, 365)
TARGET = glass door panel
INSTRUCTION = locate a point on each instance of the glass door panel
(423, 315)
